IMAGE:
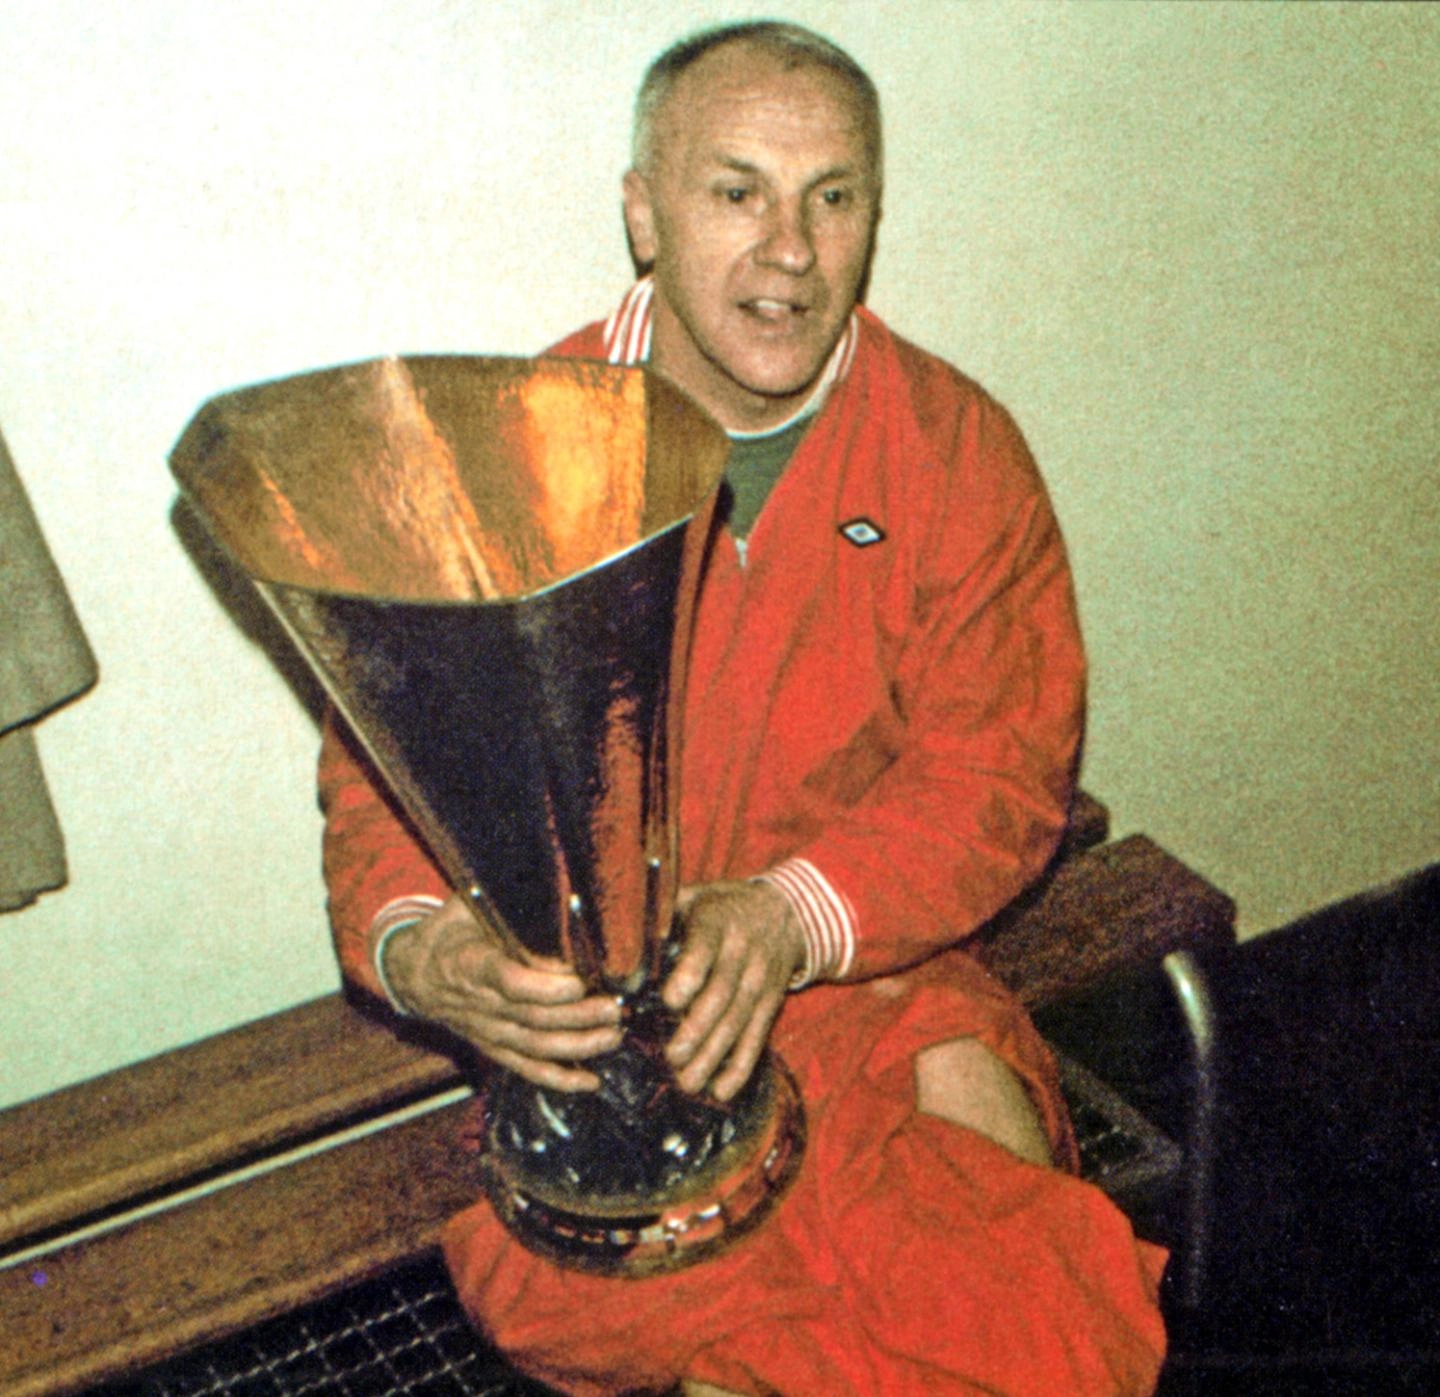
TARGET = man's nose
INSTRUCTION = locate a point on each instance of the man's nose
(788, 243)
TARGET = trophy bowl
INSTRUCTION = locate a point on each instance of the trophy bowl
(490, 564)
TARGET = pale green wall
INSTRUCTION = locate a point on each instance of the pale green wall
(1193, 247)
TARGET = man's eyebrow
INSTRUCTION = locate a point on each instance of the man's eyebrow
(746, 167)
(731, 162)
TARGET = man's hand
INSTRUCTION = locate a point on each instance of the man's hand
(534, 1019)
(743, 945)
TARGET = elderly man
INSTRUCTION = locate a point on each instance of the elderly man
(883, 719)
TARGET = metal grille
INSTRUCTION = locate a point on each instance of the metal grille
(403, 1332)
(1121, 1151)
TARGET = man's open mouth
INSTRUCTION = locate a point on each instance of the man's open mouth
(770, 309)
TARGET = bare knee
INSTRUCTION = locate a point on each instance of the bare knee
(691, 1388)
(964, 1082)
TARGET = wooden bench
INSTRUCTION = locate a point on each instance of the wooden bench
(193, 1195)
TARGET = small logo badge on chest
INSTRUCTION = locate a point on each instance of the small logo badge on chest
(862, 532)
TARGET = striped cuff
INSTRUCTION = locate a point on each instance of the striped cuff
(392, 917)
(825, 916)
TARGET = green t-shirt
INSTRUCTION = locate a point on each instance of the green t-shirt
(754, 465)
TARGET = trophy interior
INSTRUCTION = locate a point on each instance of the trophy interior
(446, 478)
(489, 564)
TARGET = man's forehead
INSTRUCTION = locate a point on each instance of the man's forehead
(741, 88)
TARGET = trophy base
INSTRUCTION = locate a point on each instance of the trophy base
(639, 1179)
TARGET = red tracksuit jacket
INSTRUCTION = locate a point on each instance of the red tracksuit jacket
(885, 706)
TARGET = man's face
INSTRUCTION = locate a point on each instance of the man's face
(758, 212)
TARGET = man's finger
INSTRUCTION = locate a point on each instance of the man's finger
(556, 1076)
(513, 980)
(720, 962)
(692, 970)
(745, 1054)
(715, 1023)
(545, 1045)
(732, 1044)
(597, 1011)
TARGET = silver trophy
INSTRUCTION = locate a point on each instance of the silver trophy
(490, 565)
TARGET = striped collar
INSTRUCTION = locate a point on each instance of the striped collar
(629, 331)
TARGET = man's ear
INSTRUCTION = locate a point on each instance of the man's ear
(639, 218)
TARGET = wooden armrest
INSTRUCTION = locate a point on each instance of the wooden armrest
(1089, 825)
(93, 1310)
(1097, 912)
(256, 1089)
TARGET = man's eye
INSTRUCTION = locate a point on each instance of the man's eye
(835, 198)
(736, 194)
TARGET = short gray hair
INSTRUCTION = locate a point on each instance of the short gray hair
(792, 44)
